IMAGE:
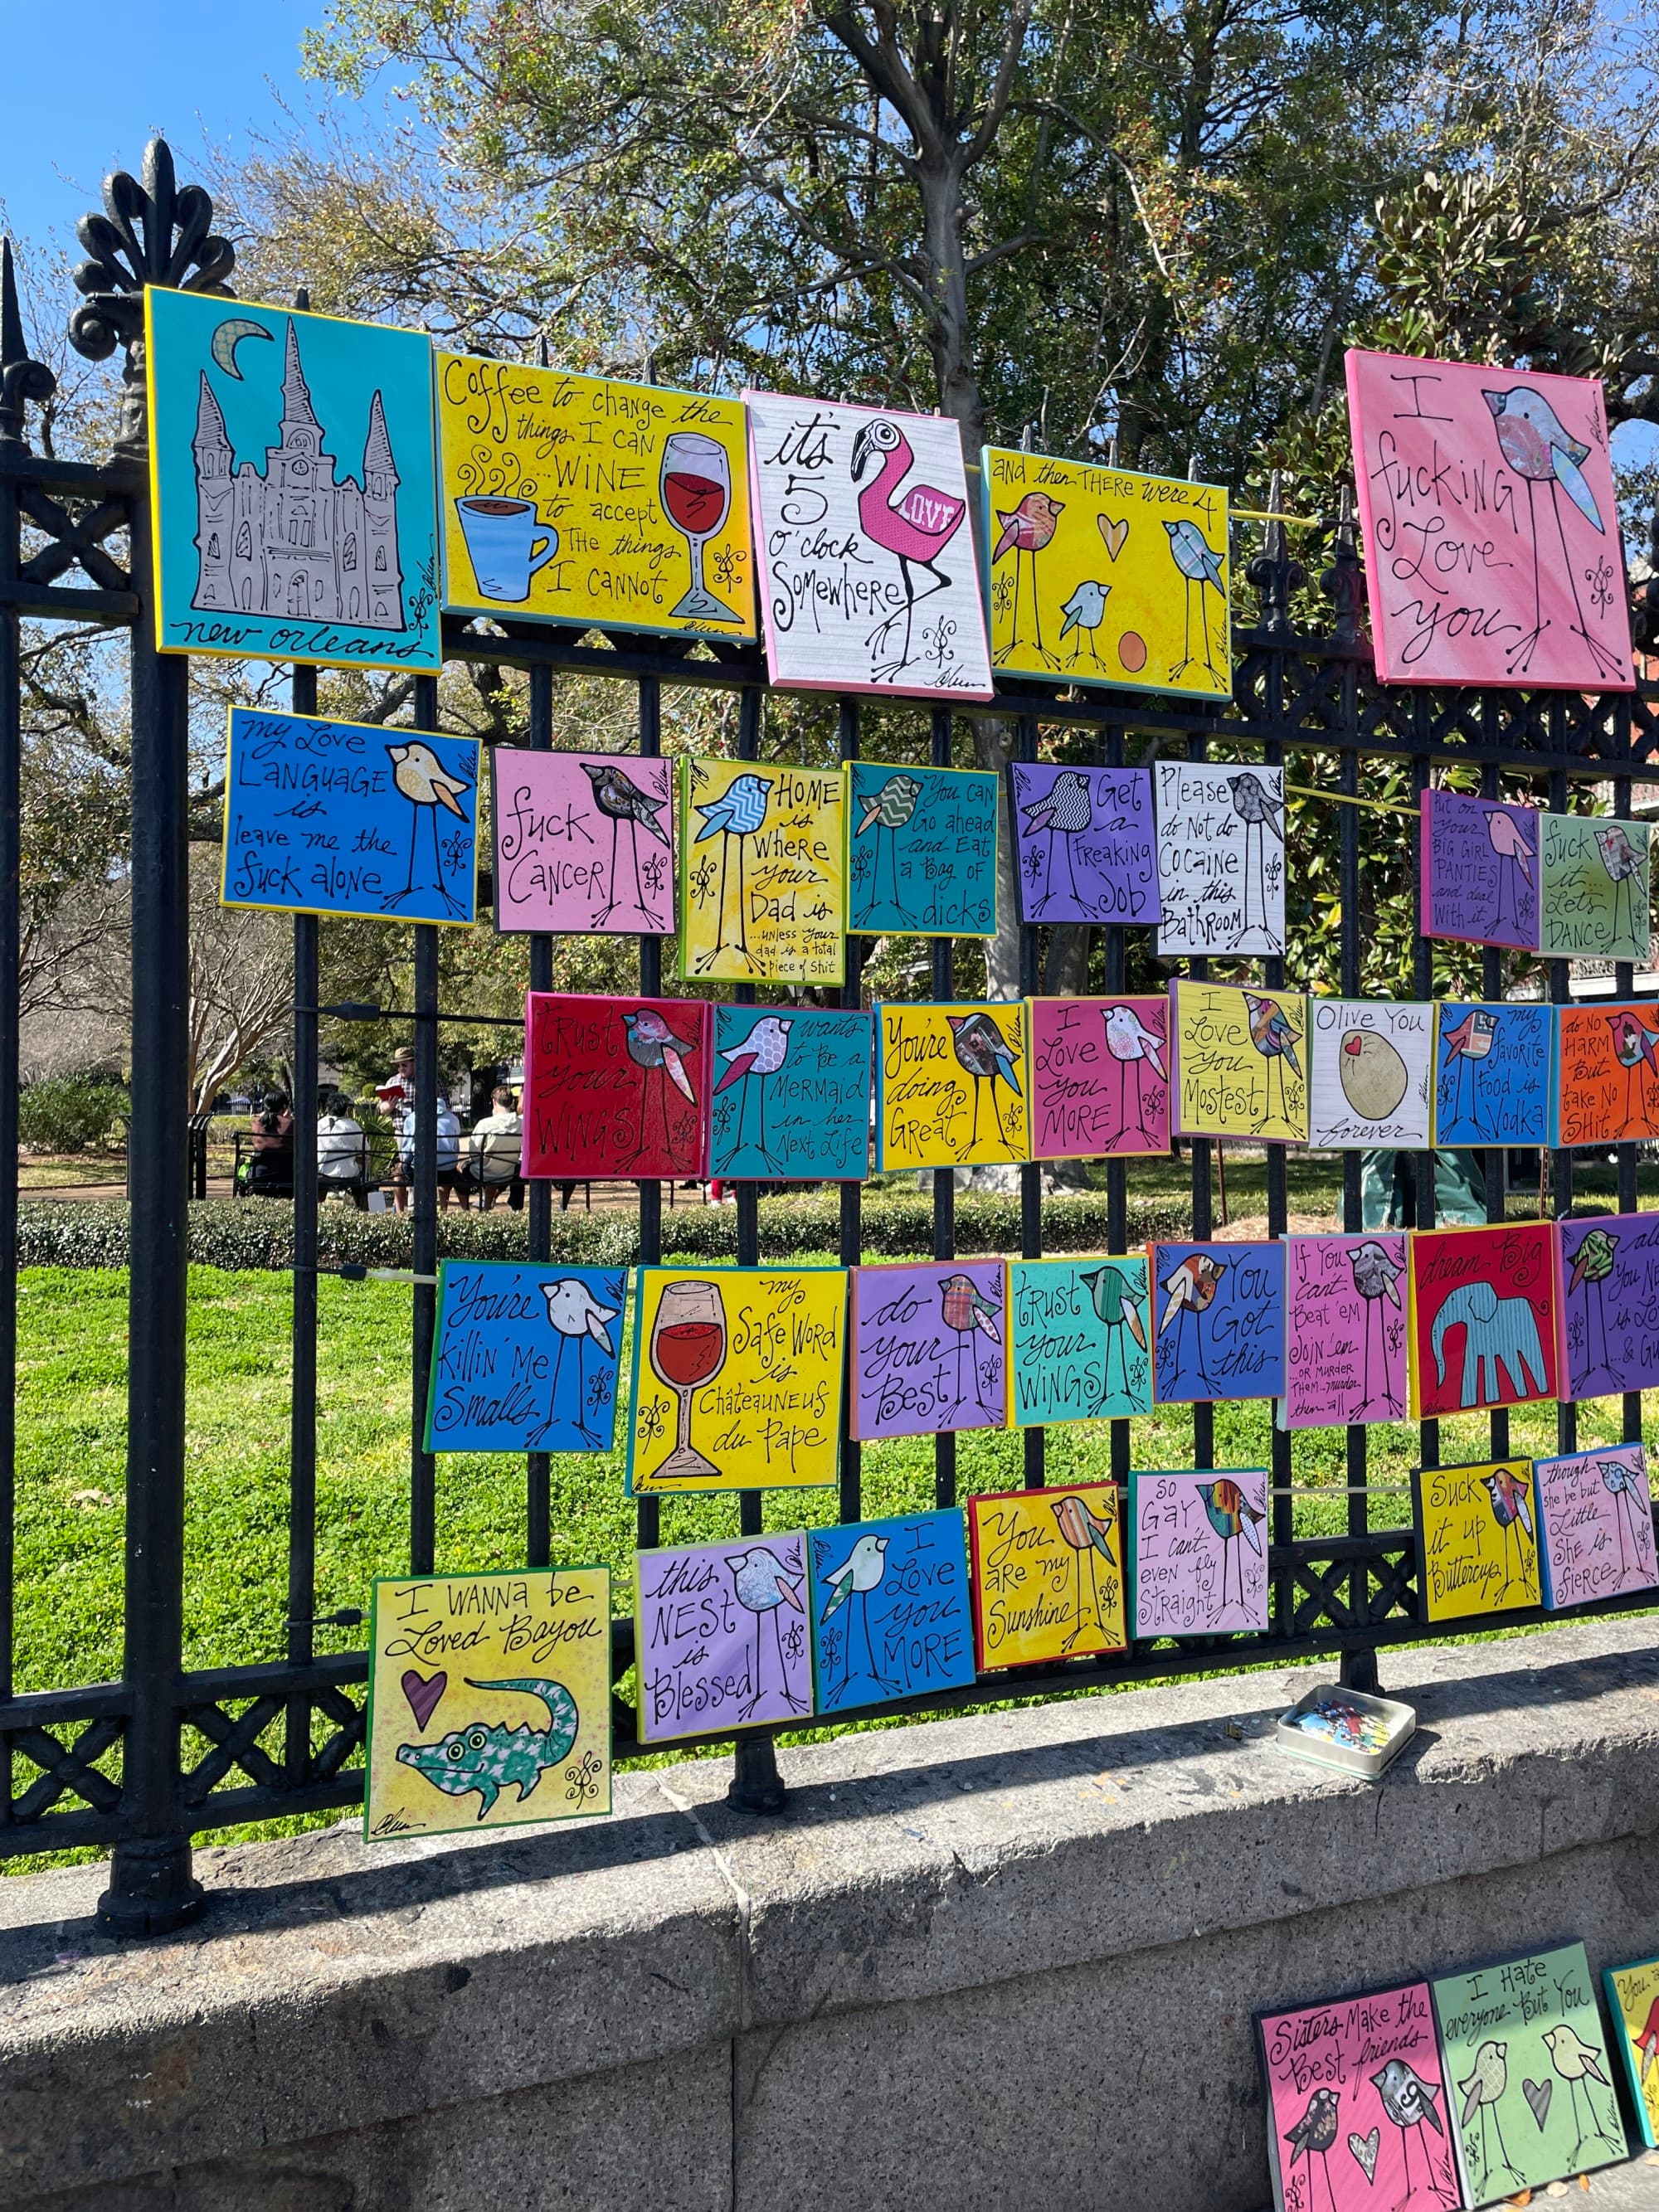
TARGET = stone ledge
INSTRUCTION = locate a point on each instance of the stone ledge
(333, 1987)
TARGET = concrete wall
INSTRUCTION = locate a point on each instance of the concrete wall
(986, 1962)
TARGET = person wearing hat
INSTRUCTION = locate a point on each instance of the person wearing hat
(396, 1095)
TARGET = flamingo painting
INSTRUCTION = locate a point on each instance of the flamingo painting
(914, 522)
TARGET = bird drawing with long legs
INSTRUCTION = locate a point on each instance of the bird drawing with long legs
(1232, 1516)
(914, 522)
(983, 1052)
(1083, 612)
(1258, 811)
(1132, 1044)
(966, 1311)
(738, 812)
(424, 780)
(1636, 1048)
(1027, 529)
(1508, 840)
(1467, 1044)
(1276, 1040)
(1087, 1535)
(760, 1057)
(1065, 810)
(575, 1315)
(1408, 2100)
(620, 800)
(1117, 1299)
(856, 1580)
(1314, 2136)
(1544, 454)
(889, 809)
(1201, 570)
(1627, 868)
(1510, 1498)
(1647, 2044)
(1632, 1510)
(1592, 1265)
(1482, 2090)
(1377, 1279)
(764, 1586)
(1578, 2063)
(655, 1049)
(1190, 1289)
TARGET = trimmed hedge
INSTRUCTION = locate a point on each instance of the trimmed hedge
(259, 1232)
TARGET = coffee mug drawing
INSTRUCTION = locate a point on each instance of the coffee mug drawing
(502, 536)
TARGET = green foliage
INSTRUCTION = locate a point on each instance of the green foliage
(69, 1113)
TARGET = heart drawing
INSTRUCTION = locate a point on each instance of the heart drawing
(1364, 2149)
(1113, 528)
(424, 1695)
(1537, 2094)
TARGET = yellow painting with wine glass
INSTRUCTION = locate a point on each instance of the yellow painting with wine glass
(738, 1375)
(590, 501)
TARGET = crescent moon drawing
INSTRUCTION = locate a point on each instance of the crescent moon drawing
(228, 338)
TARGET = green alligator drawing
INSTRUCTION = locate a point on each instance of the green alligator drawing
(488, 1758)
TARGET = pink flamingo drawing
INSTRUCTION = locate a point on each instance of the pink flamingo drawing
(915, 523)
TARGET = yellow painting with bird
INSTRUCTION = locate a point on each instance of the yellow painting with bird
(1477, 1533)
(1104, 576)
(1633, 2002)
(1048, 1574)
(953, 1084)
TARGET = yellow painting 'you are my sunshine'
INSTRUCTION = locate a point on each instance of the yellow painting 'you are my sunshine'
(583, 500)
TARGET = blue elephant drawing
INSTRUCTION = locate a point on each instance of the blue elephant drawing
(1498, 1329)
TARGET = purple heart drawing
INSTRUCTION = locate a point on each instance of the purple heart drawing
(424, 1695)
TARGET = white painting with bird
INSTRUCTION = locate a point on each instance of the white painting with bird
(1221, 858)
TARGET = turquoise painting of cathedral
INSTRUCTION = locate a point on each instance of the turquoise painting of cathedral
(292, 476)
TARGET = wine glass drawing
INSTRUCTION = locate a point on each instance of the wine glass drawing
(688, 1347)
(696, 494)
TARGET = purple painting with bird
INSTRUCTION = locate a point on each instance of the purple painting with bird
(1493, 550)
(930, 1348)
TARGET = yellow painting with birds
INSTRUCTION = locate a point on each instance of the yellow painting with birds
(953, 1084)
(1105, 576)
(1048, 1574)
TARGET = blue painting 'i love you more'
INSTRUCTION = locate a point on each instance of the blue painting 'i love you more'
(350, 817)
(524, 1358)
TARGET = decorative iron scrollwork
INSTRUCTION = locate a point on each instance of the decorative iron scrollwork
(21, 379)
(153, 233)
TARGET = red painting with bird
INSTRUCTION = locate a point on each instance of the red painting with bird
(616, 1088)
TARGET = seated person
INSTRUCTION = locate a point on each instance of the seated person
(270, 1166)
(342, 1153)
(450, 1182)
(496, 1148)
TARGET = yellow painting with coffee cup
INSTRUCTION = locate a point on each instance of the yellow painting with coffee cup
(588, 502)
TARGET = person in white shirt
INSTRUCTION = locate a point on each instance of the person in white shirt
(496, 1146)
(448, 1140)
(342, 1153)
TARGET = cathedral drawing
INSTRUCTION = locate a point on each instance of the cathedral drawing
(291, 540)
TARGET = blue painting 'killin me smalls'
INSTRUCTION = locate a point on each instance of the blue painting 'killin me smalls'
(791, 1095)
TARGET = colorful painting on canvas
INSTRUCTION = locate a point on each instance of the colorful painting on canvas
(584, 841)
(867, 574)
(1607, 1085)
(525, 1358)
(349, 818)
(1084, 846)
(1220, 858)
(1101, 575)
(588, 502)
(1495, 1066)
(1593, 899)
(614, 1087)
(723, 1635)
(1048, 1574)
(892, 1616)
(1240, 1062)
(1634, 2001)
(737, 1378)
(791, 1095)
(921, 850)
(291, 475)
(1358, 2104)
(1371, 1066)
(930, 1348)
(1477, 1533)
(1492, 554)
(1218, 1311)
(1609, 1299)
(951, 1084)
(1596, 1525)
(1483, 1314)
(1478, 860)
(1527, 2064)
(1197, 1550)
(1082, 1339)
(763, 873)
(1344, 1330)
(489, 1701)
(1100, 1076)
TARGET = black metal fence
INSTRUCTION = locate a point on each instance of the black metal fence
(142, 1764)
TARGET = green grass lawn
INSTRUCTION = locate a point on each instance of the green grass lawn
(71, 1441)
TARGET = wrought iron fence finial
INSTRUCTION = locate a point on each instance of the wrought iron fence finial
(21, 379)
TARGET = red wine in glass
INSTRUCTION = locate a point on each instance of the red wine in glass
(687, 1352)
(697, 504)
(695, 487)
